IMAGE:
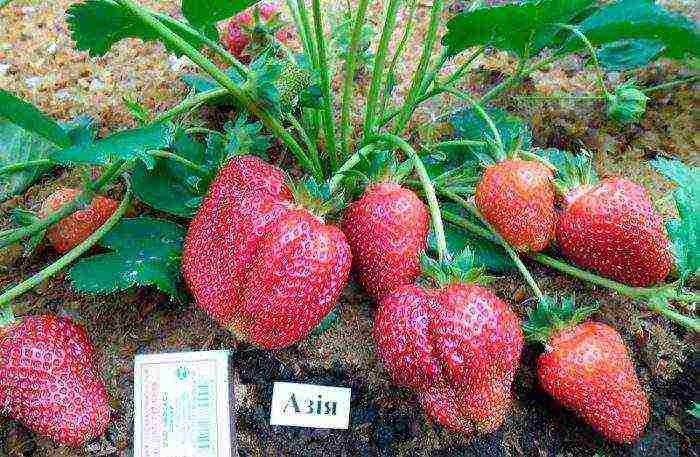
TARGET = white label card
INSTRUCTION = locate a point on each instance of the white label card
(309, 405)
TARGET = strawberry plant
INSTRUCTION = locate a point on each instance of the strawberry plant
(258, 246)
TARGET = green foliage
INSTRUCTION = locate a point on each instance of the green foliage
(553, 314)
(96, 25)
(628, 54)
(18, 146)
(460, 268)
(171, 186)
(685, 231)
(468, 125)
(245, 138)
(572, 170)
(145, 252)
(204, 14)
(523, 29)
(486, 254)
(627, 104)
(28, 117)
(23, 218)
(140, 112)
(639, 19)
(127, 145)
(262, 83)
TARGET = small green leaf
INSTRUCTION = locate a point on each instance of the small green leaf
(685, 231)
(127, 144)
(202, 14)
(145, 252)
(629, 54)
(512, 27)
(166, 187)
(27, 116)
(96, 25)
(19, 146)
(244, 138)
(639, 19)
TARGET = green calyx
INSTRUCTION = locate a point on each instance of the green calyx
(457, 269)
(572, 171)
(7, 317)
(245, 138)
(627, 104)
(552, 315)
(379, 166)
(316, 196)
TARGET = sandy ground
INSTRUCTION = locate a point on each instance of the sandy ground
(37, 61)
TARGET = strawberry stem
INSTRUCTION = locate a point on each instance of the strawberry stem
(347, 166)
(187, 163)
(511, 252)
(69, 257)
(190, 103)
(428, 188)
(599, 72)
(24, 165)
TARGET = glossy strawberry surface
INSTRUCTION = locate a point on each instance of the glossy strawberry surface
(517, 198)
(587, 368)
(387, 230)
(49, 382)
(613, 228)
(458, 347)
(76, 228)
(260, 266)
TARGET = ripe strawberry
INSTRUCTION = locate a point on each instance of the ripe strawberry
(48, 379)
(517, 198)
(76, 228)
(267, 10)
(236, 39)
(587, 368)
(386, 230)
(458, 346)
(612, 227)
(262, 267)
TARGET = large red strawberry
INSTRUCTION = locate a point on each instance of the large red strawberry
(517, 198)
(387, 230)
(263, 267)
(458, 346)
(76, 228)
(48, 379)
(612, 227)
(587, 368)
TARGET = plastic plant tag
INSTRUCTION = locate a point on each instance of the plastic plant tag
(182, 405)
(309, 405)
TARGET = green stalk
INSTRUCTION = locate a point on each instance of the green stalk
(85, 197)
(348, 83)
(201, 171)
(480, 111)
(398, 53)
(460, 142)
(428, 188)
(327, 103)
(432, 74)
(353, 160)
(222, 78)
(511, 252)
(591, 49)
(309, 144)
(420, 71)
(378, 70)
(670, 84)
(299, 27)
(190, 103)
(306, 25)
(518, 76)
(24, 165)
(69, 257)
(459, 72)
(662, 308)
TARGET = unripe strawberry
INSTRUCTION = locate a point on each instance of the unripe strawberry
(76, 228)
(236, 39)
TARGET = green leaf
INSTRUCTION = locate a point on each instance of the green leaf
(512, 27)
(639, 19)
(96, 25)
(28, 117)
(202, 14)
(166, 187)
(629, 54)
(685, 231)
(127, 144)
(19, 146)
(145, 252)
(486, 254)
(244, 138)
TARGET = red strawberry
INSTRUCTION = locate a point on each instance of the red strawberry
(48, 379)
(76, 228)
(236, 39)
(387, 230)
(249, 236)
(517, 198)
(587, 368)
(458, 346)
(612, 227)
(267, 10)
